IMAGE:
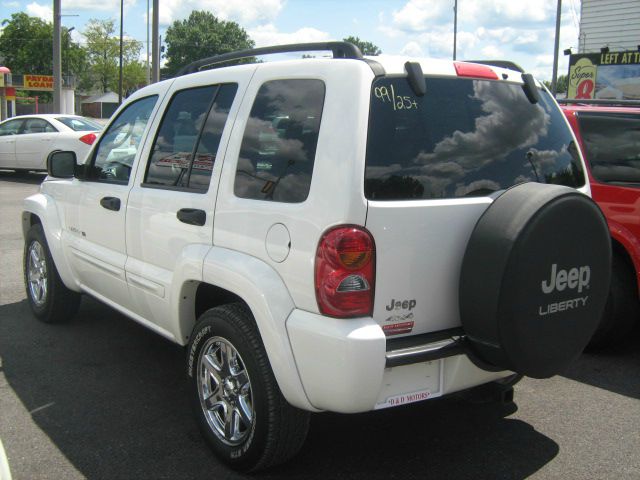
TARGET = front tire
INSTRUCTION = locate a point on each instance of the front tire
(49, 298)
(238, 405)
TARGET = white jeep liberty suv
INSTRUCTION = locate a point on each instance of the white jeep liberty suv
(329, 234)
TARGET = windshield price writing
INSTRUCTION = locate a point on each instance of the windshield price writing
(388, 95)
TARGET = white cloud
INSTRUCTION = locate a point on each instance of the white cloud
(418, 15)
(96, 5)
(43, 12)
(265, 35)
(492, 12)
(247, 12)
(492, 52)
(412, 49)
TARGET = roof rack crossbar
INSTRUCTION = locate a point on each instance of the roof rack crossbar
(339, 50)
(499, 63)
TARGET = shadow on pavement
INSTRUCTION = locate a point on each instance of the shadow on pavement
(112, 398)
(34, 178)
(616, 369)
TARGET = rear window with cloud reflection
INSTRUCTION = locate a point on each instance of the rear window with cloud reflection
(464, 138)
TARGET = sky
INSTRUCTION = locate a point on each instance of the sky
(520, 31)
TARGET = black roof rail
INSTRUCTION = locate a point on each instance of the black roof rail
(599, 101)
(339, 49)
(499, 63)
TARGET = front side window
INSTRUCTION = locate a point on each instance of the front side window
(279, 144)
(463, 138)
(187, 142)
(612, 145)
(114, 156)
(11, 127)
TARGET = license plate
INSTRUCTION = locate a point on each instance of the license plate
(410, 383)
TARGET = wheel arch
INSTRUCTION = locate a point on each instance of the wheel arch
(621, 252)
(41, 209)
(627, 247)
(229, 277)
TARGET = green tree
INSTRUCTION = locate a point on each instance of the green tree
(26, 44)
(103, 52)
(199, 36)
(367, 48)
(562, 84)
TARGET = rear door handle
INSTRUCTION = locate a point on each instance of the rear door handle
(192, 216)
(110, 203)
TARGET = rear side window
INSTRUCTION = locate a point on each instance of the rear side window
(187, 142)
(37, 125)
(612, 145)
(279, 145)
(464, 138)
(78, 124)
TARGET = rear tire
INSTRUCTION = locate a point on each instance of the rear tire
(238, 405)
(49, 298)
(622, 309)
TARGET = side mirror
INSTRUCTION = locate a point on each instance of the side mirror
(61, 164)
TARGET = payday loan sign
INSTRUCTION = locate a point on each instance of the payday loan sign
(38, 82)
(612, 75)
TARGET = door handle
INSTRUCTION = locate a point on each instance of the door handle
(110, 203)
(192, 216)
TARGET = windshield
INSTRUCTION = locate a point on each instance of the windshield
(78, 124)
(464, 138)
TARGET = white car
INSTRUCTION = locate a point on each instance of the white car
(26, 141)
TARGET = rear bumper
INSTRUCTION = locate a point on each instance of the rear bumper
(345, 367)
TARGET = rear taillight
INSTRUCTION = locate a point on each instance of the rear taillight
(345, 272)
(474, 70)
(89, 138)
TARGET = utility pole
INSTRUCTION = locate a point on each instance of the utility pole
(455, 27)
(148, 65)
(554, 79)
(155, 51)
(57, 59)
(120, 73)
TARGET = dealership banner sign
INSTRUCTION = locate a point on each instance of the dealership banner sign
(612, 75)
(38, 82)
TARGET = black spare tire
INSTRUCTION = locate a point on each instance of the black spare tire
(535, 279)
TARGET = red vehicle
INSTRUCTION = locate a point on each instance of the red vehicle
(610, 140)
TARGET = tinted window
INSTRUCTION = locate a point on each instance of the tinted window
(118, 146)
(192, 125)
(463, 138)
(78, 124)
(11, 127)
(210, 139)
(279, 145)
(612, 145)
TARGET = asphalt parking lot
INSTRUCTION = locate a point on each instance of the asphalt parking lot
(102, 397)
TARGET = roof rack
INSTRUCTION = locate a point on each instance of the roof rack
(339, 49)
(599, 101)
(499, 63)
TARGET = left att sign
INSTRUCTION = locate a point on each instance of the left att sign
(38, 82)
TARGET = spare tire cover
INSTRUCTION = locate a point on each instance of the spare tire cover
(535, 279)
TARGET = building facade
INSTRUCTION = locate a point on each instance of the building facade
(609, 23)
